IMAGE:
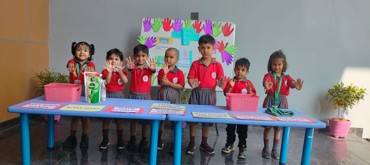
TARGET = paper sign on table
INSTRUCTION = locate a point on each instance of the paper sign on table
(166, 111)
(125, 109)
(84, 108)
(254, 117)
(211, 115)
(167, 106)
(301, 119)
(41, 105)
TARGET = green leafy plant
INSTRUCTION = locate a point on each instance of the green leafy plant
(344, 97)
(185, 95)
(48, 76)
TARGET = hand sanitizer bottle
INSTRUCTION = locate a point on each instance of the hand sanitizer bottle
(103, 92)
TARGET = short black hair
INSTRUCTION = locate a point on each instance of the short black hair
(174, 49)
(83, 43)
(142, 48)
(242, 62)
(277, 54)
(114, 51)
(206, 39)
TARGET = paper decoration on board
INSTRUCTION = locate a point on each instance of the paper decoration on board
(254, 117)
(160, 34)
(84, 108)
(227, 51)
(146, 24)
(300, 119)
(148, 41)
(211, 115)
(35, 105)
(226, 29)
(157, 24)
(125, 109)
(165, 108)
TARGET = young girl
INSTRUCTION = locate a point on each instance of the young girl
(277, 85)
(171, 80)
(82, 61)
(115, 78)
(142, 69)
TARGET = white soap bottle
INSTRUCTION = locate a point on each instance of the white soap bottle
(103, 92)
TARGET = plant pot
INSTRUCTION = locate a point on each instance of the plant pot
(339, 128)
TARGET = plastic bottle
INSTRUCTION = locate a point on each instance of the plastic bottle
(103, 92)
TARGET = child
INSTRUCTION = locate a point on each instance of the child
(115, 77)
(141, 68)
(204, 75)
(82, 61)
(171, 80)
(239, 84)
(276, 85)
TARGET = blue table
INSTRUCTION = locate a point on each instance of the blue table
(308, 138)
(25, 134)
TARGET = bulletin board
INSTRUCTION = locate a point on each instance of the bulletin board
(162, 33)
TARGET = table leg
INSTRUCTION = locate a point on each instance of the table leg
(154, 142)
(307, 146)
(50, 131)
(284, 145)
(177, 143)
(25, 139)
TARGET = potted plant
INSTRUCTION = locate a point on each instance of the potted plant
(49, 76)
(343, 98)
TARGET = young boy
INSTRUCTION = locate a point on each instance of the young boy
(239, 84)
(142, 69)
(203, 77)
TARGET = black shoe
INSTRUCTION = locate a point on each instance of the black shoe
(275, 155)
(172, 149)
(84, 142)
(242, 151)
(191, 148)
(70, 142)
(104, 144)
(143, 146)
(131, 146)
(228, 148)
(265, 153)
(205, 147)
(120, 145)
(160, 145)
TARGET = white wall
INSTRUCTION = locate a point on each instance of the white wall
(320, 37)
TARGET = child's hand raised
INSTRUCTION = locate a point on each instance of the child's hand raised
(298, 84)
(267, 84)
(165, 68)
(89, 69)
(249, 89)
(194, 82)
(151, 63)
(130, 63)
(72, 69)
(221, 82)
(119, 68)
(232, 83)
(108, 66)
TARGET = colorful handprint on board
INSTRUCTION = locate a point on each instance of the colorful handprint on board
(227, 52)
(146, 24)
(227, 30)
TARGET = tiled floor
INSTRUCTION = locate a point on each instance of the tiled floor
(326, 150)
